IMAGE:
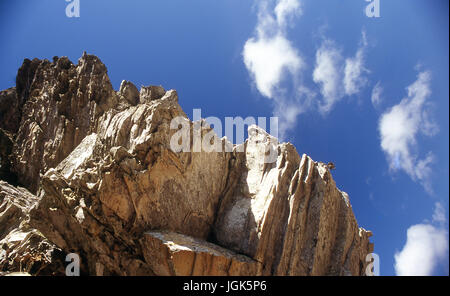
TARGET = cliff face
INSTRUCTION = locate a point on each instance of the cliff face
(101, 180)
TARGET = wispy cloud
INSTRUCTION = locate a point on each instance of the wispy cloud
(286, 10)
(271, 58)
(354, 78)
(376, 97)
(399, 127)
(337, 77)
(276, 66)
(327, 74)
(426, 247)
(439, 214)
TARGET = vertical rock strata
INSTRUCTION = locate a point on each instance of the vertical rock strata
(100, 180)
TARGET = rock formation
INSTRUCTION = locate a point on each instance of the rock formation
(90, 170)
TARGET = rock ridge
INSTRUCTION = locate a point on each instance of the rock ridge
(90, 170)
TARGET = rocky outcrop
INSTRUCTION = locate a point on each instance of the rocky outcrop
(22, 247)
(290, 215)
(6, 144)
(59, 104)
(102, 181)
(9, 110)
(170, 253)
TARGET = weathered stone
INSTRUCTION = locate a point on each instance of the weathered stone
(14, 274)
(110, 188)
(23, 248)
(150, 93)
(9, 110)
(129, 92)
(170, 253)
(60, 105)
(6, 144)
(15, 202)
(290, 215)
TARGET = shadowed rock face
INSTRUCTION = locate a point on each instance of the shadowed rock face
(103, 182)
(57, 104)
(22, 247)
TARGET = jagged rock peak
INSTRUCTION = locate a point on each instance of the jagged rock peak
(102, 181)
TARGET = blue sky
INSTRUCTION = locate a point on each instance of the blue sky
(391, 154)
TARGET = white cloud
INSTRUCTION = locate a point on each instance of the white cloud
(439, 213)
(428, 127)
(338, 77)
(426, 247)
(399, 127)
(422, 171)
(288, 110)
(268, 59)
(271, 58)
(354, 80)
(376, 94)
(275, 65)
(287, 9)
(327, 74)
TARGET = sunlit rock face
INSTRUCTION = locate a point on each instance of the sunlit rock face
(94, 174)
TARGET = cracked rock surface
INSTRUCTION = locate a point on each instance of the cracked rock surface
(90, 170)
